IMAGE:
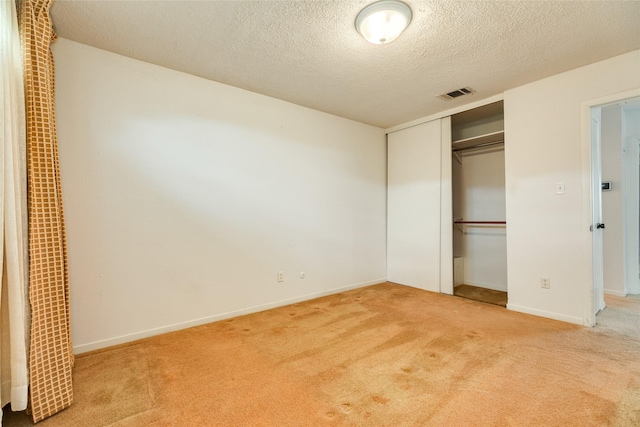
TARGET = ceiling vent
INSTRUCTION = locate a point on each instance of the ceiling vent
(456, 93)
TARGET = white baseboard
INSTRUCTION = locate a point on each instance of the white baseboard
(547, 314)
(96, 345)
(616, 293)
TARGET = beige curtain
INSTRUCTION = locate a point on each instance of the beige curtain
(50, 350)
(14, 308)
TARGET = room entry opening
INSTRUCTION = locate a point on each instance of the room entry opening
(619, 135)
(611, 144)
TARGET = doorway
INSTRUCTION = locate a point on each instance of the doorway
(620, 132)
(613, 140)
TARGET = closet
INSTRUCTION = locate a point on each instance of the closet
(478, 204)
(446, 216)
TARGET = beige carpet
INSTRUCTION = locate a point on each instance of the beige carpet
(384, 355)
(476, 293)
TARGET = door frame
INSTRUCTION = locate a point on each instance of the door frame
(589, 296)
(597, 235)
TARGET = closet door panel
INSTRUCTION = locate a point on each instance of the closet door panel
(446, 208)
(413, 216)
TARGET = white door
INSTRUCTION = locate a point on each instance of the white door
(596, 211)
(413, 206)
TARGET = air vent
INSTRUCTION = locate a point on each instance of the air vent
(456, 93)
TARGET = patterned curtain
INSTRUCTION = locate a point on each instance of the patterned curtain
(50, 351)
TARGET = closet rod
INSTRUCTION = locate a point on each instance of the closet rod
(486, 144)
(481, 222)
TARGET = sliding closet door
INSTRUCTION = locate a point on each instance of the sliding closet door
(413, 215)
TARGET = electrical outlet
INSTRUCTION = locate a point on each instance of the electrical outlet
(545, 282)
(280, 276)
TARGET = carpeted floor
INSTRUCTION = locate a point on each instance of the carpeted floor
(384, 355)
(476, 293)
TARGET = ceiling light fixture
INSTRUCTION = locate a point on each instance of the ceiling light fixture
(383, 21)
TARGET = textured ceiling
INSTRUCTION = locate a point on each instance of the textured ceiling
(309, 53)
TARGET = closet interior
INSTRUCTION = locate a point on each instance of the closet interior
(479, 213)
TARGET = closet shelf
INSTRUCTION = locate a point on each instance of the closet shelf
(485, 140)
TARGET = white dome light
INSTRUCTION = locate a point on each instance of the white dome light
(382, 22)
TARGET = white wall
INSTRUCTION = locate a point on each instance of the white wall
(632, 120)
(631, 194)
(483, 199)
(613, 245)
(184, 197)
(546, 233)
(457, 205)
